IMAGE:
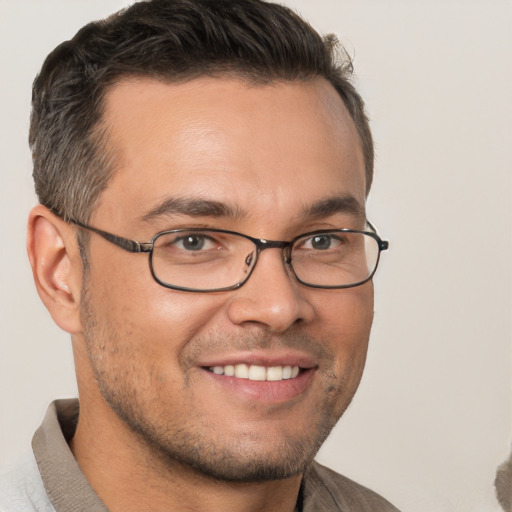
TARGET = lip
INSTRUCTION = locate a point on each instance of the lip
(264, 392)
(262, 358)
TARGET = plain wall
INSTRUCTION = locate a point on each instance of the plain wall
(432, 418)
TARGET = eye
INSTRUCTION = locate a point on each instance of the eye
(321, 242)
(194, 242)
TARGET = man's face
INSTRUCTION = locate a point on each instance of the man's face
(272, 155)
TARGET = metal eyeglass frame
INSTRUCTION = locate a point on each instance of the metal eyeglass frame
(260, 243)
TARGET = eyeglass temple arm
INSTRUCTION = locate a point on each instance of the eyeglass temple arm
(124, 243)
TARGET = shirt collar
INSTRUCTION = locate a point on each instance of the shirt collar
(65, 484)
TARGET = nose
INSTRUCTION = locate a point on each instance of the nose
(272, 297)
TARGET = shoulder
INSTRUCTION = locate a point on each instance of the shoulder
(333, 491)
(22, 490)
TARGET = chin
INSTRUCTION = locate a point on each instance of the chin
(243, 456)
(236, 463)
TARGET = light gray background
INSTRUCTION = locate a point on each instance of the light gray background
(432, 418)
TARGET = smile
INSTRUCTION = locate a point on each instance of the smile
(256, 372)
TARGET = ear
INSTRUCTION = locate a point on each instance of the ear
(56, 266)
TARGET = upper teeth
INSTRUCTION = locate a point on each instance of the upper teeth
(254, 372)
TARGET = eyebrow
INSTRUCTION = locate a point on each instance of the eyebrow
(200, 207)
(335, 204)
(193, 207)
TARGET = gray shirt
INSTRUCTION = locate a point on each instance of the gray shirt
(50, 480)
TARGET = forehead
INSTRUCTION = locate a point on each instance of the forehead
(258, 148)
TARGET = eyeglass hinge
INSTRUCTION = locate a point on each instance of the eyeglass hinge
(144, 246)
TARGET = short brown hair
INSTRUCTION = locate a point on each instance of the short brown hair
(170, 40)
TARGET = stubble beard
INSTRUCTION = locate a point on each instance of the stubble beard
(166, 439)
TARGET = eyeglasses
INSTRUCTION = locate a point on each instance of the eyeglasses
(214, 260)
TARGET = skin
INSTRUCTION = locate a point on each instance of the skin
(157, 430)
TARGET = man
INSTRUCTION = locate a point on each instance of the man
(223, 139)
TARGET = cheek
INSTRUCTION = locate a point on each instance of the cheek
(136, 341)
(344, 321)
(345, 312)
(145, 316)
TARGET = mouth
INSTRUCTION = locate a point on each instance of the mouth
(267, 377)
(274, 384)
(256, 372)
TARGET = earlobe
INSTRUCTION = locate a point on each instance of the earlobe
(56, 267)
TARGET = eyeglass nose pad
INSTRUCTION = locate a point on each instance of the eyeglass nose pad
(287, 255)
(248, 262)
